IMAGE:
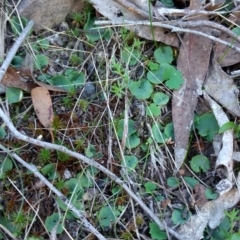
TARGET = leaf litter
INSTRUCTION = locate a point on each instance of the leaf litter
(202, 74)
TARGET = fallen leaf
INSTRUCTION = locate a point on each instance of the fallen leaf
(210, 214)
(226, 56)
(23, 79)
(114, 11)
(193, 62)
(12, 79)
(42, 104)
(222, 88)
(225, 155)
(26, 74)
(199, 197)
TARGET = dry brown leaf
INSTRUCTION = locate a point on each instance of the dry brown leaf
(12, 79)
(226, 56)
(193, 62)
(222, 88)
(26, 74)
(42, 104)
(199, 197)
(115, 11)
(23, 79)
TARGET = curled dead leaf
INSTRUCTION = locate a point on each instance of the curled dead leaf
(22, 78)
(210, 214)
(225, 155)
(12, 79)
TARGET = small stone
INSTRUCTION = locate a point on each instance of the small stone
(47, 13)
(67, 174)
(63, 27)
(89, 91)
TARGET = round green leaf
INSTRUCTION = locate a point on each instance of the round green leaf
(207, 126)
(191, 182)
(226, 126)
(173, 182)
(40, 61)
(236, 30)
(18, 24)
(150, 187)
(131, 128)
(200, 162)
(141, 89)
(85, 181)
(159, 136)
(52, 221)
(235, 236)
(172, 76)
(49, 170)
(160, 98)
(156, 233)
(2, 132)
(107, 216)
(155, 76)
(5, 166)
(62, 82)
(210, 194)
(169, 131)
(164, 54)
(77, 79)
(73, 185)
(131, 56)
(168, 3)
(90, 151)
(14, 95)
(43, 43)
(153, 66)
(17, 61)
(153, 110)
(132, 141)
(92, 34)
(180, 216)
(130, 162)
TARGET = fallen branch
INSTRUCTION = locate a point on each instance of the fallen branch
(12, 52)
(167, 26)
(88, 161)
(186, 11)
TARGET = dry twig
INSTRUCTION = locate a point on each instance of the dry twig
(167, 26)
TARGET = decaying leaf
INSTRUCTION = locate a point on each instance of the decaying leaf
(26, 74)
(42, 104)
(210, 214)
(12, 79)
(114, 11)
(226, 56)
(222, 88)
(193, 62)
(225, 156)
(23, 79)
(199, 197)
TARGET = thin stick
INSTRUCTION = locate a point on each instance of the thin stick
(88, 161)
(14, 49)
(204, 23)
(167, 26)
